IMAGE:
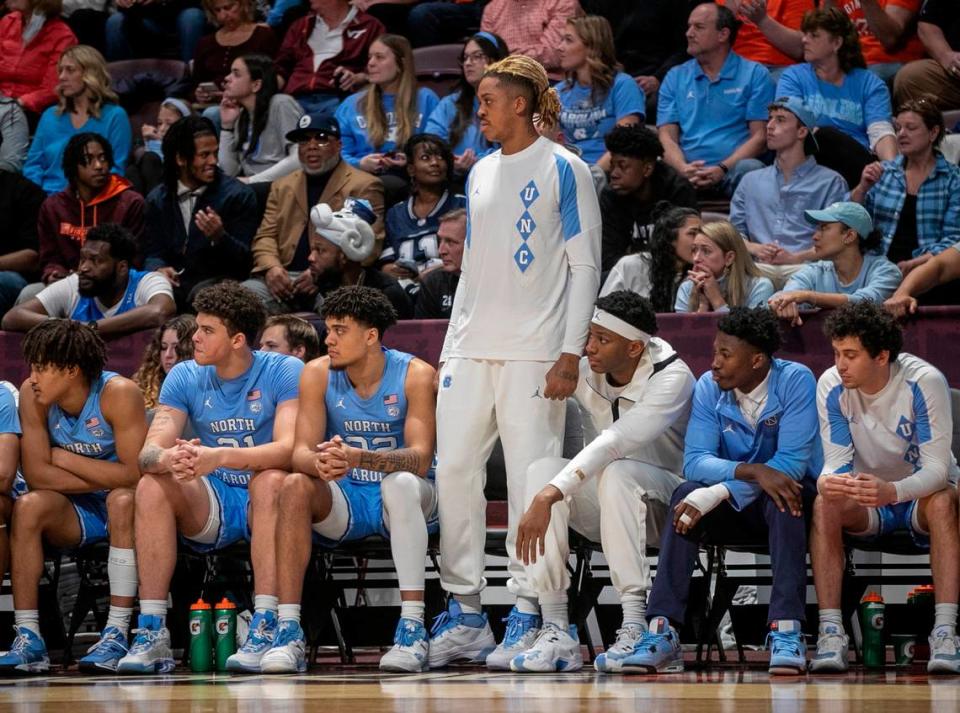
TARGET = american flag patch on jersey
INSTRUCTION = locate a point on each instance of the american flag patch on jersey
(92, 423)
(391, 399)
(253, 395)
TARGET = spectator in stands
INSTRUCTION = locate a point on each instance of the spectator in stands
(255, 119)
(942, 269)
(723, 274)
(888, 33)
(638, 182)
(332, 267)
(712, 110)
(770, 33)
(20, 202)
(767, 207)
(455, 118)
(939, 30)
(281, 274)
(87, 19)
(751, 456)
(324, 55)
(237, 34)
(171, 344)
(443, 21)
(93, 197)
(32, 38)
(852, 105)
(140, 28)
(411, 226)
(199, 221)
(106, 291)
(87, 104)
(595, 96)
(437, 287)
(847, 269)
(532, 28)
(291, 335)
(914, 199)
(146, 170)
(885, 427)
(376, 124)
(14, 135)
(658, 271)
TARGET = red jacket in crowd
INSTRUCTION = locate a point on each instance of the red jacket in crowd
(65, 219)
(294, 62)
(29, 72)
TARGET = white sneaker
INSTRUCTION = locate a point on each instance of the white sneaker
(522, 630)
(833, 649)
(410, 648)
(150, 651)
(289, 651)
(457, 636)
(944, 651)
(554, 650)
(258, 641)
(611, 660)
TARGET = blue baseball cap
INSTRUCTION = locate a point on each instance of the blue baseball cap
(853, 215)
(314, 124)
(797, 107)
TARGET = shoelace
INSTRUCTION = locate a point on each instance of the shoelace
(443, 622)
(257, 636)
(942, 639)
(285, 635)
(20, 643)
(626, 638)
(652, 641)
(548, 635)
(831, 642)
(406, 634)
(777, 641)
(516, 628)
(143, 638)
(105, 643)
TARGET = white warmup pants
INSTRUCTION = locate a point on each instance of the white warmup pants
(624, 509)
(479, 399)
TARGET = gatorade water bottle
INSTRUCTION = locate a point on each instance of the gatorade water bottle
(226, 626)
(871, 624)
(201, 637)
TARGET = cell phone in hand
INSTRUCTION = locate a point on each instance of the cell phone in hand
(209, 87)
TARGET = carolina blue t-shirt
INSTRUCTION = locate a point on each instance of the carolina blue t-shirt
(353, 126)
(9, 417)
(413, 238)
(441, 119)
(88, 433)
(237, 412)
(877, 281)
(714, 115)
(88, 311)
(585, 122)
(860, 100)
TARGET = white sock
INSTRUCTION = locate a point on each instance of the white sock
(945, 615)
(288, 612)
(28, 619)
(634, 608)
(120, 618)
(412, 610)
(122, 572)
(469, 603)
(265, 602)
(154, 607)
(528, 605)
(555, 611)
(831, 616)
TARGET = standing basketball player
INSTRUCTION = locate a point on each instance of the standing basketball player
(518, 326)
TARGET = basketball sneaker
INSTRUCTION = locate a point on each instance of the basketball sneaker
(259, 639)
(522, 630)
(658, 650)
(628, 636)
(944, 648)
(788, 649)
(289, 651)
(104, 655)
(554, 650)
(410, 650)
(458, 636)
(27, 654)
(833, 648)
(150, 651)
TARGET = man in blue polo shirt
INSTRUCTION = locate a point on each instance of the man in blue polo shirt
(712, 110)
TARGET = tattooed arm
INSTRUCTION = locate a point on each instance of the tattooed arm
(160, 446)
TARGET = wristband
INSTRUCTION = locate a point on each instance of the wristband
(723, 167)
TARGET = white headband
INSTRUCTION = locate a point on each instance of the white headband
(615, 324)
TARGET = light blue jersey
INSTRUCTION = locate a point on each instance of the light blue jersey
(10, 423)
(237, 412)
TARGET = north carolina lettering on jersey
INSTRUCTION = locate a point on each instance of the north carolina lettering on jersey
(83, 449)
(360, 426)
(231, 425)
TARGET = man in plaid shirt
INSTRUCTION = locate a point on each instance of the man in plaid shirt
(531, 27)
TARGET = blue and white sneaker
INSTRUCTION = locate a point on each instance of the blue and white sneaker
(259, 640)
(457, 636)
(104, 655)
(554, 650)
(833, 650)
(27, 654)
(944, 648)
(411, 647)
(788, 649)
(522, 631)
(289, 651)
(150, 651)
(658, 650)
(628, 636)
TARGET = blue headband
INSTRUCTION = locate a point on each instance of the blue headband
(178, 104)
(489, 37)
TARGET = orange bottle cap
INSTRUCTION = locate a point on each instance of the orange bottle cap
(225, 604)
(872, 597)
(925, 588)
(199, 604)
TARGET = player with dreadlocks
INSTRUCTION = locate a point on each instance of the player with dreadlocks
(510, 359)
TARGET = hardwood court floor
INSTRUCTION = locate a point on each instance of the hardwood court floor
(364, 690)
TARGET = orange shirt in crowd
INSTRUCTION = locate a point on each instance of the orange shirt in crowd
(873, 51)
(753, 45)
